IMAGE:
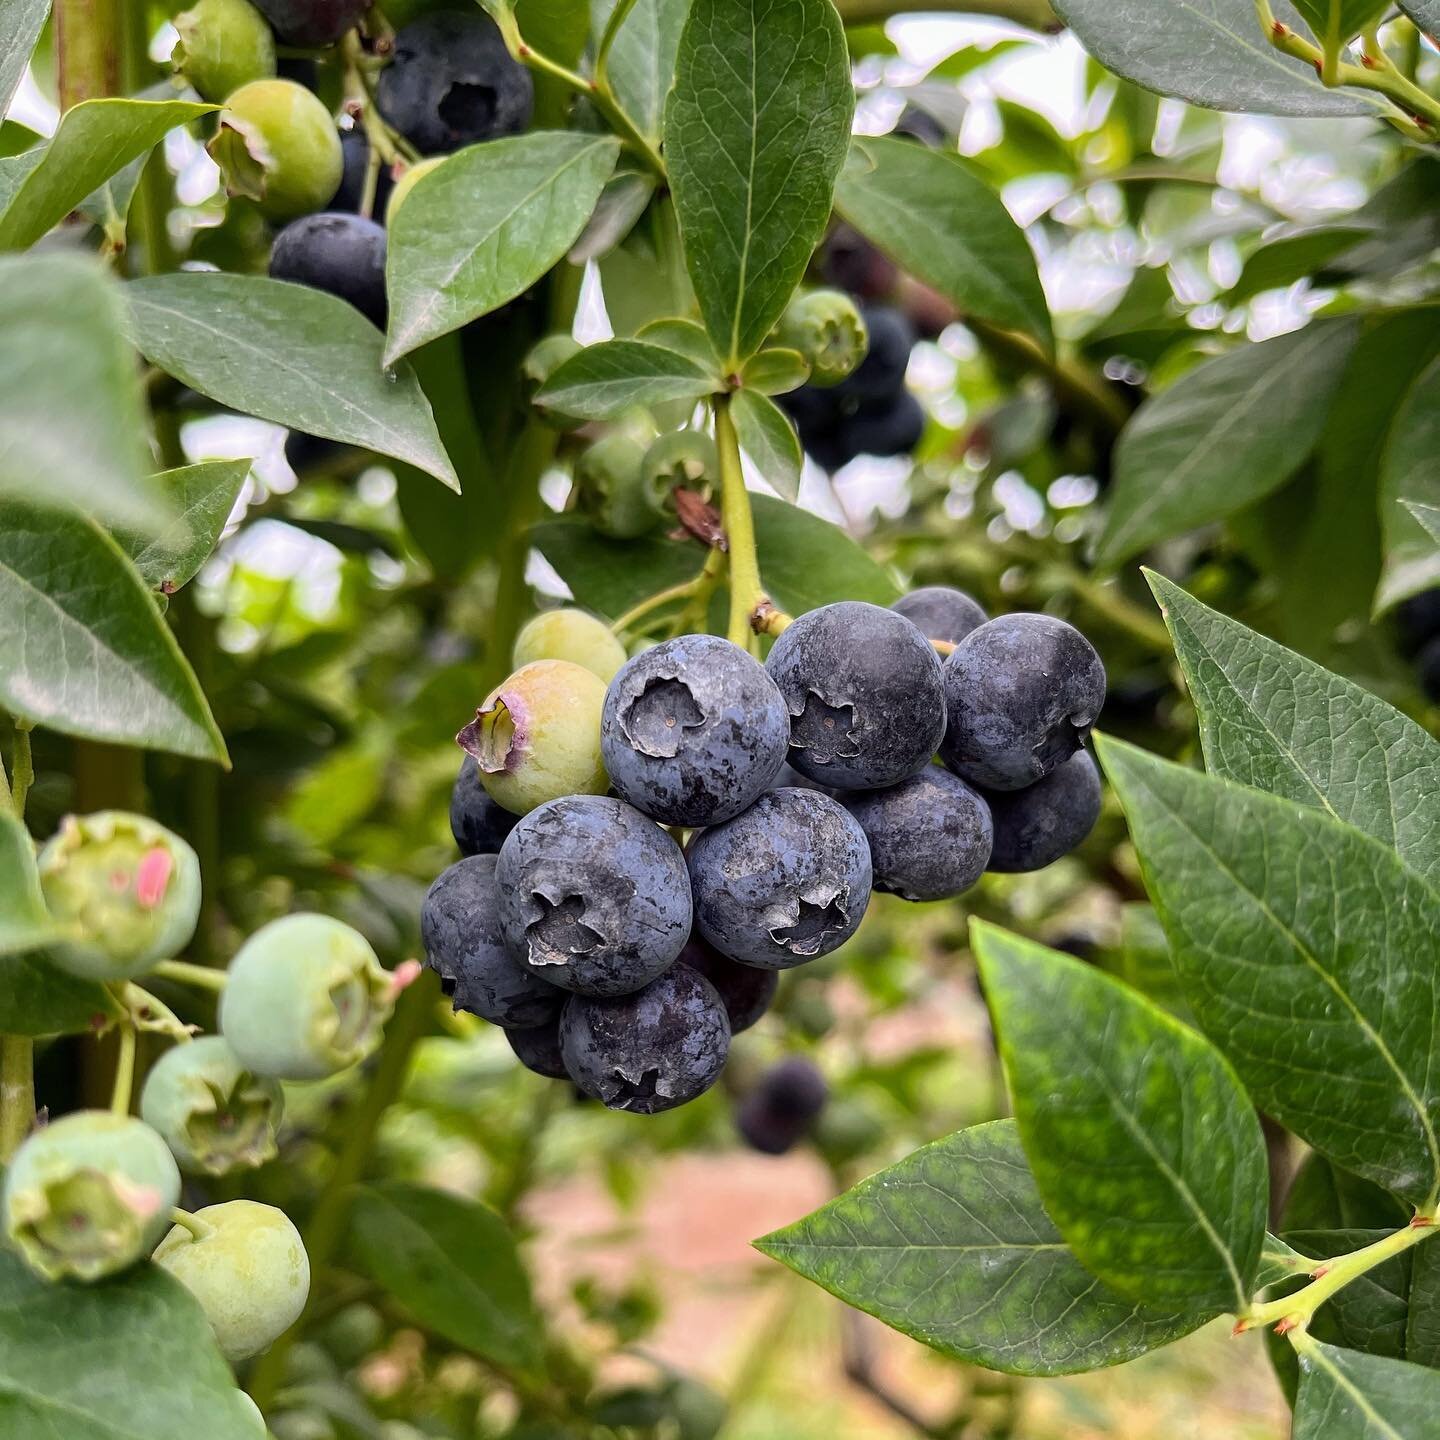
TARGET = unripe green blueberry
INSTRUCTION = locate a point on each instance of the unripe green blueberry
(826, 327)
(537, 736)
(685, 458)
(612, 489)
(305, 998)
(546, 356)
(572, 635)
(129, 888)
(406, 183)
(276, 144)
(212, 1112)
(353, 1333)
(89, 1195)
(248, 1269)
(303, 1425)
(224, 44)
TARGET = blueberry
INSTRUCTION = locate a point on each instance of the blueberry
(819, 421)
(593, 896)
(1418, 620)
(460, 928)
(782, 883)
(917, 124)
(223, 45)
(311, 23)
(569, 634)
(478, 824)
(452, 83)
(685, 458)
(826, 327)
(892, 426)
(941, 613)
(355, 149)
(693, 730)
(789, 778)
(929, 836)
(863, 688)
(849, 260)
(781, 1110)
(538, 1048)
(339, 253)
(613, 489)
(1427, 668)
(649, 1051)
(746, 990)
(1021, 694)
(247, 1267)
(1036, 826)
(881, 374)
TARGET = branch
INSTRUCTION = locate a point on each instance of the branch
(1032, 14)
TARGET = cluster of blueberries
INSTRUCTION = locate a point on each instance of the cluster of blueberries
(615, 958)
(447, 81)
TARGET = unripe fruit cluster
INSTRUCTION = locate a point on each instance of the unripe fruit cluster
(609, 955)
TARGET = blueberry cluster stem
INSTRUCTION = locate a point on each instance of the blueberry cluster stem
(17, 1092)
(183, 973)
(747, 595)
(124, 1087)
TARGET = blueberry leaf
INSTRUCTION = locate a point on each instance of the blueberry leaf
(1345, 1395)
(452, 1263)
(1224, 435)
(21, 22)
(769, 439)
(755, 133)
(775, 371)
(1210, 52)
(95, 139)
(603, 381)
(1340, 20)
(806, 562)
(1409, 476)
(642, 56)
(953, 1247)
(486, 225)
(143, 1336)
(25, 924)
(1145, 1150)
(1309, 953)
(288, 354)
(92, 654)
(1425, 14)
(203, 496)
(1427, 515)
(609, 576)
(937, 219)
(1271, 719)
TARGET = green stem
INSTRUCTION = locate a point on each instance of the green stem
(184, 973)
(682, 591)
(89, 41)
(748, 600)
(124, 1070)
(193, 1223)
(151, 1014)
(24, 768)
(617, 18)
(17, 1092)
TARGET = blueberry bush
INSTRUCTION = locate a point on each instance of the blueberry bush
(752, 458)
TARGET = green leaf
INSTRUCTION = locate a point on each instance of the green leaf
(755, 134)
(684, 337)
(1427, 515)
(1425, 13)
(1337, 21)
(1271, 719)
(775, 371)
(609, 576)
(130, 1358)
(952, 1246)
(203, 496)
(95, 139)
(14, 170)
(642, 57)
(289, 354)
(1310, 954)
(1222, 436)
(769, 439)
(65, 356)
(604, 381)
(21, 22)
(1345, 1395)
(87, 651)
(1146, 1151)
(1210, 52)
(1410, 475)
(807, 562)
(1422, 1325)
(1278, 264)
(485, 226)
(937, 219)
(453, 1264)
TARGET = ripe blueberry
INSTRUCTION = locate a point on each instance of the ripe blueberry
(88, 1195)
(452, 83)
(819, 417)
(849, 260)
(612, 488)
(223, 45)
(538, 1048)
(1036, 826)
(863, 688)
(941, 613)
(129, 888)
(1418, 621)
(746, 990)
(336, 252)
(881, 374)
(355, 150)
(649, 1051)
(311, 23)
(1021, 694)
(1427, 668)
(892, 426)
(573, 635)
(593, 896)
(782, 1109)
(693, 730)
(930, 835)
(478, 824)
(248, 1269)
(536, 737)
(305, 997)
(460, 928)
(213, 1113)
(826, 327)
(782, 883)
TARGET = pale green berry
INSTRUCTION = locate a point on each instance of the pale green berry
(247, 1267)
(224, 44)
(89, 1195)
(681, 458)
(537, 736)
(572, 635)
(305, 997)
(127, 887)
(212, 1112)
(546, 356)
(277, 144)
(612, 488)
(826, 327)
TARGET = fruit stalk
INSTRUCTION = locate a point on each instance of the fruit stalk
(89, 38)
(17, 1092)
(747, 594)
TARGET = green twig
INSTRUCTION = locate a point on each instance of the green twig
(617, 18)
(193, 1223)
(24, 768)
(748, 601)
(17, 1092)
(124, 1070)
(683, 591)
(184, 973)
